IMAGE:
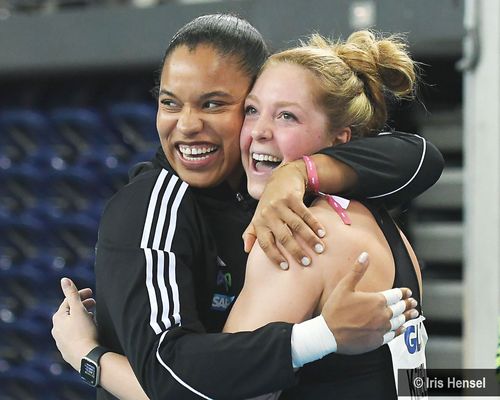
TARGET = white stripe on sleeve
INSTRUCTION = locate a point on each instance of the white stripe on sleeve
(173, 373)
(424, 149)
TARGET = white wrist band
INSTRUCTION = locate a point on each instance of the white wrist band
(311, 341)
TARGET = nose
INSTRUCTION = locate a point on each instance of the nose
(189, 122)
(262, 130)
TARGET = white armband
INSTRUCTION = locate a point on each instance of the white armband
(311, 341)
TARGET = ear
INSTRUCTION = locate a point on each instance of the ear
(343, 135)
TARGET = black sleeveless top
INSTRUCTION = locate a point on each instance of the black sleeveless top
(364, 376)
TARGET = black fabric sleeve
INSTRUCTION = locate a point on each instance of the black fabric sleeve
(393, 168)
(147, 258)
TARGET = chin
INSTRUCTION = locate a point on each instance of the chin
(255, 190)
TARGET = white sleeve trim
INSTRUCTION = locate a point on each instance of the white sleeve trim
(424, 149)
(174, 374)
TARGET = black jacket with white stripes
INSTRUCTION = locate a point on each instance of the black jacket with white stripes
(169, 262)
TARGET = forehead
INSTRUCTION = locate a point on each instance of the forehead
(204, 66)
(285, 81)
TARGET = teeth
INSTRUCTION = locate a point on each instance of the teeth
(194, 158)
(265, 157)
(195, 150)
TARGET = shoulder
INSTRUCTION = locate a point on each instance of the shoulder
(344, 243)
(150, 197)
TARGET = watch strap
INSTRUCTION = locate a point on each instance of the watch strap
(96, 353)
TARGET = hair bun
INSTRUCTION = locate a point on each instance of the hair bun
(386, 57)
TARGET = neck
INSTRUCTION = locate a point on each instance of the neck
(234, 179)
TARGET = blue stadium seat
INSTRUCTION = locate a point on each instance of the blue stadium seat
(78, 131)
(55, 178)
(23, 186)
(136, 123)
(23, 132)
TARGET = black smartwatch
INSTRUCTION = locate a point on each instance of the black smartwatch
(90, 370)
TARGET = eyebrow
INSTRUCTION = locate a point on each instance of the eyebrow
(277, 104)
(204, 96)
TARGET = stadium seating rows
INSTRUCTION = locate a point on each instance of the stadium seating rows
(57, 169)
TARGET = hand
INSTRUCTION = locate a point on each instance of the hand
(362, 321)
(74, 330)
(281, 214)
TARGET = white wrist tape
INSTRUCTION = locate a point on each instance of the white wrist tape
(311, 341)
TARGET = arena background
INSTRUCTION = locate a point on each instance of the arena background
(76, 112)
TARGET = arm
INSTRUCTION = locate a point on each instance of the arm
(181, 358)
(392, 167)
(149, 296)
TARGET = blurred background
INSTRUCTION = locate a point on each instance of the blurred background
(76, 112)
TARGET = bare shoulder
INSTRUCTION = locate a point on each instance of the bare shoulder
(344, 243)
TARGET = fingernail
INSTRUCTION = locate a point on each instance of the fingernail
(65, 283)
(284, 265)
(321, 233)
(409, 293)
(305, 261)
(413, 303)
(414, 313)
(319, 248)
(363, 257)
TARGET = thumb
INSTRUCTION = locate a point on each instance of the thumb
(357, 272)
(249, 238)
(70, 291)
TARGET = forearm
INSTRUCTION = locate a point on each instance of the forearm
(334, 176)
(394, 168)
(118, 378)
(221, 366)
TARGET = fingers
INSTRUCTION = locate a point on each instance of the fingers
(249, 238)
(398, 308)
(268, 245)
(403, 305)
(397, 322)
(285, 237)
(406, 293)
(411, 314)
(89, 304)
(296, 223)
(70, 293)
(85, 293)
(313, 224)
(350, 280)
(392, 296)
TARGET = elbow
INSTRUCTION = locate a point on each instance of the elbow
(435, 163)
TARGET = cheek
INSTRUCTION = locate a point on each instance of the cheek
(303, 143)
(293, 147)
(231, 129)
(245, 137)
(164, 125)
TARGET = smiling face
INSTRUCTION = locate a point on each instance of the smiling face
(200, 113)
(282, 123)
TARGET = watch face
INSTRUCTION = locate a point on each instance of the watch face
(89, 371)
